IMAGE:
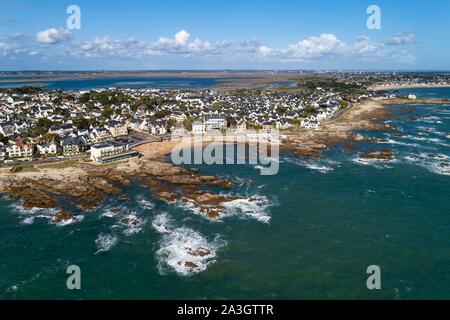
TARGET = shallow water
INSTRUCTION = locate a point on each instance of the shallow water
(318, 225)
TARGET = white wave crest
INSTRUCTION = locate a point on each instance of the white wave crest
(105, 242)
(183, 249)
(133, 224)
(255, 207)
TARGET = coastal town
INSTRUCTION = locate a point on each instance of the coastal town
(104, 125)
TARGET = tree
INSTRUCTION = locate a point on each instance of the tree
(81, 123)
(171, 123)
(42, 126)
(344, 104)
(188, 124)
(162, 114)
(107, 112)
(49, 137)
(134, 107)
(85, 97)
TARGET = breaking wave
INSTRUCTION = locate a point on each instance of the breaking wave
(434, 164)
(255, 207)
(105, 242)
(183, 249)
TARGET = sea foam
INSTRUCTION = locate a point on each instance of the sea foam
(183, 249)
(105, 242)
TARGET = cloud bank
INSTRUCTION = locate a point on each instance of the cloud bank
(325, 47)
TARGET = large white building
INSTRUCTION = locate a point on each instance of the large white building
(116, 128)
(215, 122)
(19, 150)
(113, 151)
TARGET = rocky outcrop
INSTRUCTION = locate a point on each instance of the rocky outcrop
(386, 155)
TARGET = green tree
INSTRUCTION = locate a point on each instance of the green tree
(107, 112)
(42, 126)
(171, 123)
(81, 123)
(188, 124)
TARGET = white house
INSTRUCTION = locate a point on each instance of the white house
(71, 146)
(157, 127)
(19, 150)
(310, 123)
(178, 130)
(116, 128)
(198, 127)
(100, 134)
(47, 148)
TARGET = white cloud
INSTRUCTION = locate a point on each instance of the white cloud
(326, 48)
(182, 37)
(53, 35)
(329, 46)
(401, 38)
(265, 51)
(106, 47)
(365, 46)
(316, 47)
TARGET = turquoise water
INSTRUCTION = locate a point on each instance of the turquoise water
(318, 226)
(117, 82)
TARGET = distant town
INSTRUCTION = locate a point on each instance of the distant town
(103, 125)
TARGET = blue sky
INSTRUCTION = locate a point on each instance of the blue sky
(245, 34)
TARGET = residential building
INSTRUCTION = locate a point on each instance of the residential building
(215, 122)
(18, 149)
(198, 127)
(109, 152)
(47, 148)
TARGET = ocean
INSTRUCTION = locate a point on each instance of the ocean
(318, 225)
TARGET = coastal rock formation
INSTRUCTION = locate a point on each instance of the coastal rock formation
(88, 188)
(362, 116)
(385, 155)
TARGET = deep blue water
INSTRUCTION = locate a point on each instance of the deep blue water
(318, 225)
(428, 92)
(118, 82)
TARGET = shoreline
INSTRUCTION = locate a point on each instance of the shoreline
(88, 184)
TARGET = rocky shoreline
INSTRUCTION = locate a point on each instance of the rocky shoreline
(86, 186)
(368, 115)
(87, 191)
